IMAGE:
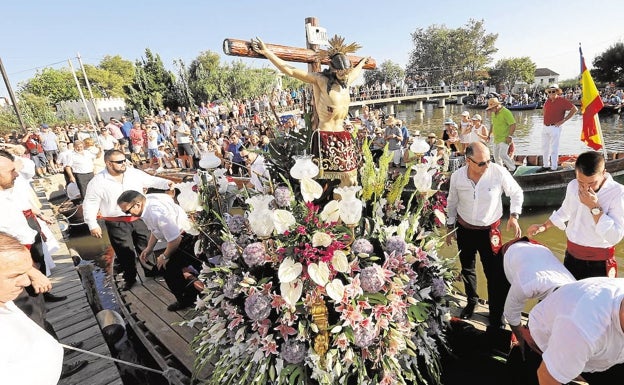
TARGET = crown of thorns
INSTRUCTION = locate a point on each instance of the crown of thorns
(337, 46)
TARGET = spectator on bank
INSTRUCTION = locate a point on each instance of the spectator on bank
(79, 166)
(49, 142)
(32, 142)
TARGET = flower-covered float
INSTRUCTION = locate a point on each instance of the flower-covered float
(305, 287)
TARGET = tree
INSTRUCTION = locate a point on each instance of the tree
(152, 86)
(451, 55)
(110, 76)
(55, 85)
(204, 74)
(388, 72)
(507, 72)
(609, 66)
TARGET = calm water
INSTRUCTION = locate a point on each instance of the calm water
(528, 141)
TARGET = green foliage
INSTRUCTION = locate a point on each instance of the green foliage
(54, 84)
(152, 86)
(609, 65)
(388, 72)
(110, 76)
(8, 120)
(35, 110)
(441, 53)
(509, 71)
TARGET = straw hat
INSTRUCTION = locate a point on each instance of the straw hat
(432, 135)
(555, 87)
(465, 113)
(378, 130)
(493, 103)
(439, 143)
(390, 121)
(449, 121)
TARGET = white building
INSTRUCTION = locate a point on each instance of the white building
(107, 107)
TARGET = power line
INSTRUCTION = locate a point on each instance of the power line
(39, 67)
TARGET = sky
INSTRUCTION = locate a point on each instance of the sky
(42, 33)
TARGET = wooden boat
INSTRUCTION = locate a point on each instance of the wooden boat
(547, 188)
(610, 109)
(522, 107)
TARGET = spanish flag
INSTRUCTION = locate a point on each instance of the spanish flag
(591, 104)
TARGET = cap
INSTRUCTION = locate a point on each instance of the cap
(465, 113)
(417, 133)
(476, 117)
(44, 126)
(449, 121)
(432, 135)
(553, 86)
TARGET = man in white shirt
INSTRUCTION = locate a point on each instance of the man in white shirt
(532, 271)
(593, 208)
(474, 208)
(128, 235)
(106, 140)
(79, 166)
(183, 138)
(258, 171)
(579, 331)
(169, 223)
(28, 354)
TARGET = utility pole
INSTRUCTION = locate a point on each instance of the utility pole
(12, 95)
(84, 73)
(84, 102)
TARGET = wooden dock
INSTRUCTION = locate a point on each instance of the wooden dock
(73, 320)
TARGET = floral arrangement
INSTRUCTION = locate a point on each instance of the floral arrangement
(345, 291)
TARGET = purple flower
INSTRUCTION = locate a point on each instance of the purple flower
(229, 250)
(372, 279)
(257, 307)
(231, 289)
(438, 287)
(364, 335)
(282, 196)
(254, 254)
(236, 223)
(362, 245)
(396, 244)
(293, 351)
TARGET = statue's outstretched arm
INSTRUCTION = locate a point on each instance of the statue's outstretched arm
(259, 47)
(353, 75)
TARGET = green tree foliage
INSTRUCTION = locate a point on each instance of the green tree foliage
(152, 86)
(451, 55)
(53, 84)
(35, 109)
(609, 65)
(110, 76)
(204, 74)
(388, 72)
(507, 72)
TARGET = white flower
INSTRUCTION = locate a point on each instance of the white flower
(289, 270)
(321, 239)
(188, 199)
(402, 228)
(291, 292)
(283, 219)
(331, 212)
(335, 290)
(319, 273)
(340, 261)
(310, 189)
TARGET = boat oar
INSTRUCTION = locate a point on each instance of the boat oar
(172, 375)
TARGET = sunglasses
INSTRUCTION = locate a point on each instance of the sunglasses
(127, 212)
(118, 161)
(480, 164)
(551, 92)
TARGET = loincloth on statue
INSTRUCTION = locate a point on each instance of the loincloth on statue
(339, 156)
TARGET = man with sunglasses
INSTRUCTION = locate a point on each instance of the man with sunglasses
(128, 235)
(554, 117)
(474, 211)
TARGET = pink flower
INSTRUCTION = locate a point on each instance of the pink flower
(286, 331)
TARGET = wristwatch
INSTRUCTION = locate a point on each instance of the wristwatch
(515, 215)
(596, 210)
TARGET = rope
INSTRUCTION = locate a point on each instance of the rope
(170, 373)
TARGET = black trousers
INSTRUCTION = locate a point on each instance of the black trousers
(36, 249)
(184, 256)
(82, 180)
(128, 239)
(469, 242)
(582, 269)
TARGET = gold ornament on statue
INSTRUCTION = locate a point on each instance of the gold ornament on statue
(319, 317)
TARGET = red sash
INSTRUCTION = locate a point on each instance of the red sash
(588, 253)
(128, 218)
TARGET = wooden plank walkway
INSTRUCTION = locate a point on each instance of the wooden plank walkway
(73, 320)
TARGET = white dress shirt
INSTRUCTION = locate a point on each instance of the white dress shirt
(80, 162)
(578, 327)
(581, 228)
(103, 191)
(533, 272)
(24, 343)
(164, 218)
(480, 203)
(12, 220)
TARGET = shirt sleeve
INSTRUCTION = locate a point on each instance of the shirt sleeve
(513, 191)
(514, 304)
(568, 350)
(91, 203)
(563, 214)
(452, 200)
(611, 223)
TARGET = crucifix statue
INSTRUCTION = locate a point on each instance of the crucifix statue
(334, 147)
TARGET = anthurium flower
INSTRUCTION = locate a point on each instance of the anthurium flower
(319, 273)
(291, 291)
(335, 290)
(283, 219)
(289, 270)
(321, 239)
(310, 189)
(331, 212)
(340, 262)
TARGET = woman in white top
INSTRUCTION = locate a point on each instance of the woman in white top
(478, 131)
(465, 126)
